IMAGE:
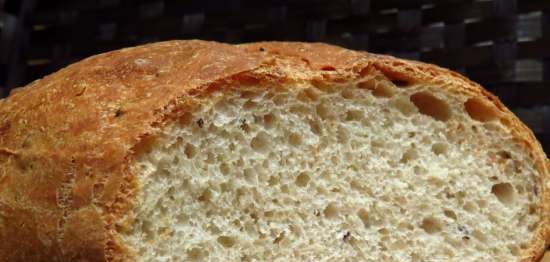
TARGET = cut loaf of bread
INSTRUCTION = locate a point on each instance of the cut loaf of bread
(201, 151)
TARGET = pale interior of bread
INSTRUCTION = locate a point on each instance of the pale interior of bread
(363, 171)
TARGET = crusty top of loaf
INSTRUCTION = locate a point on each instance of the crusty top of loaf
(68, 141)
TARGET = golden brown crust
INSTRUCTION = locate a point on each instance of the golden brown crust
(68, 141)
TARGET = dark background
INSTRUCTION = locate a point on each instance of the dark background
(502, 44)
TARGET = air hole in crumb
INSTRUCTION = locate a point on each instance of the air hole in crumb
(405, 226)
(214, 229)
(448, 252)
(284, 189)
(342, 135)
(401, 200)
(273, 180)
(355, 144)
(480, 110)
(514, 249)
(248, 94)
(196, 254)
(382, 90)
(309, 94)
(493, 218)
(313, 93)
(315, 127)
(249, 105)
(439, 148)
(481, 203)
(210, 158)
(190, 151)
(432, 106)
(280, 99)
(430, 225)
(225, 187)
(249, 175)
(415, 257)
(171, 192)
(147, 229)
(302, 96)
(470, 207)
(269, 120)
(260, 143)
(182, 218)
(224, 168)
(331, 211)
(400, 83)
(377, 143)
(323, 111)
(164, 173)
(410, 154)
(418, 170)
(504, 192)
(302, 180)
(398, 245)
(364, 216)
(295, 139)
(348, 93)
(185, 118)
(450, 214)
(356, 185)
(300, 109)
(504, 154)
(479, 235)
(520, 189)
(354, 115)
(205, 195)
(226, 241)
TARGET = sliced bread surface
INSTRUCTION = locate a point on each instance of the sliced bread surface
(201, 151)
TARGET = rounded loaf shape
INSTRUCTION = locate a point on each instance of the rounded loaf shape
(202, 151)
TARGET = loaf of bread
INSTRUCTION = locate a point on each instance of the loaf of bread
(202, 151)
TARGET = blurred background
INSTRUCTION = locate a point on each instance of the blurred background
(502, 44)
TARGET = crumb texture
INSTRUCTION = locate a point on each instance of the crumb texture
(365, 171)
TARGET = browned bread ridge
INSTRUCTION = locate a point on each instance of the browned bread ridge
(69, 141)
